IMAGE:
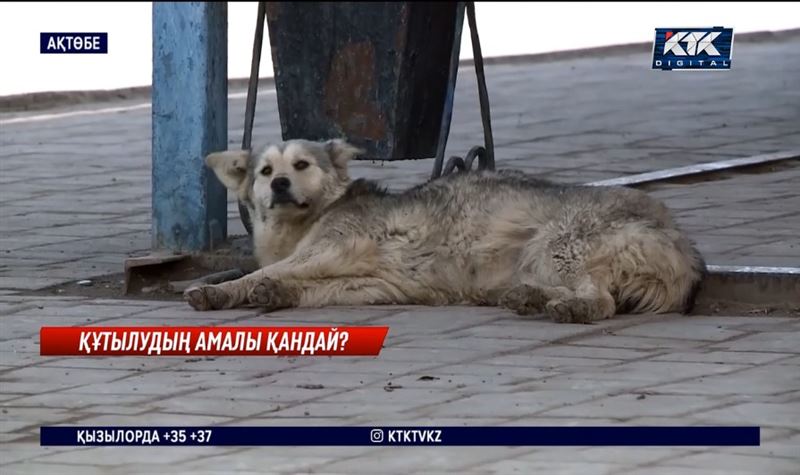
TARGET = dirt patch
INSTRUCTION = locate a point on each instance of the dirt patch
(161, 281)
(104, 287)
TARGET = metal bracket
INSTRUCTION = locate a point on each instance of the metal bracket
(485, 154)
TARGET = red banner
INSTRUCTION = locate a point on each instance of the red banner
(212, 341)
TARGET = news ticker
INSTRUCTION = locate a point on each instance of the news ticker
(212, 341)
(365, 436)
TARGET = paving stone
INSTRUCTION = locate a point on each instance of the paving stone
(437, 320)
(151, 419)
(473, 378)
(630, 455)
(77, 308)
(526, 329)
(622, 406)
(533, 360)
(576, 350)
(561, 459)
(589, 384)
(513, 404)
(345, 366)
(424, 459)
(325, 409)
(666, 371)
(634, 375)
(636, 343)
(21, 345)
(30, 283)
(270, 419)
(17, 452)
(783, 443)
(670, 470)
(255, 460)
(120, 456)
(73, 375)
(724, 357)
(544, 466)
(402, 396)
(16, 419)
(792, 361)
(777, 342)
(755, 413)
(120, 363)
(732, 463)
(407, 420)
(427, 355)
(37, 387)
(208, 406)
(684, 330)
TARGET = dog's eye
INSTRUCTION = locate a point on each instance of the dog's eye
(266, 171)
(301, 165)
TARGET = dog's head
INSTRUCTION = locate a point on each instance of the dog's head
(287, 180)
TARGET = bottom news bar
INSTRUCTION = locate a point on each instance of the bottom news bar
(454, 436)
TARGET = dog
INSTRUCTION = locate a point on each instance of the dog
(574, 253)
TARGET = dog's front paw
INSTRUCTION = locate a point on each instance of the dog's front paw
(569, 311)
(524, 300)
(270, 295)
(206, 297)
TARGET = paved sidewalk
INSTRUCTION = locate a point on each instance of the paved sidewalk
(483, 366)
(75, 202)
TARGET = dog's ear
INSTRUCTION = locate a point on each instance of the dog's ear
(341, 152)
(230, 167)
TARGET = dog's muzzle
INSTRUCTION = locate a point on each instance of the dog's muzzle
(281, 194)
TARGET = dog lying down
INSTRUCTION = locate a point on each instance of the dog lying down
(574, 253)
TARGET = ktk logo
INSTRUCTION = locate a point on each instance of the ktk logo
(696, 43)
(693, 49)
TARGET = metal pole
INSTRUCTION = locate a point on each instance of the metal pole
(190, 120)
(252, 95)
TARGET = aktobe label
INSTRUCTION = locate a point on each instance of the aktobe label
(73, 43)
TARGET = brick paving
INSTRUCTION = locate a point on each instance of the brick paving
(75, 202)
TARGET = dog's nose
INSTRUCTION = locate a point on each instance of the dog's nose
(280, 184)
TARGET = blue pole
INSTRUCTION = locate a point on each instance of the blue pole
(190, 120)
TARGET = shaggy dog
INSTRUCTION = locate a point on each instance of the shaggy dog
(574, 253)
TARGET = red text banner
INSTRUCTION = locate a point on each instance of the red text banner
(212, 341)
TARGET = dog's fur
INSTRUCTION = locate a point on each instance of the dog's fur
(575, 253)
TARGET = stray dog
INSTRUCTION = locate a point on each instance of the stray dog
(575, 253)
